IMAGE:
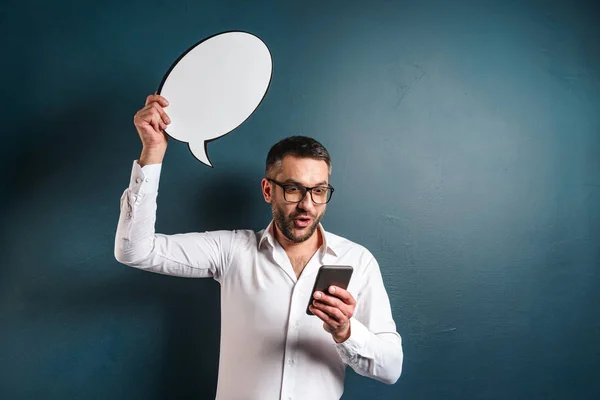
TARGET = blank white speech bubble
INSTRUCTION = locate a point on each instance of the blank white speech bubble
(214, 86)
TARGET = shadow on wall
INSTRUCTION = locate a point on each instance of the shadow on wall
(229, 201)
(61, 177)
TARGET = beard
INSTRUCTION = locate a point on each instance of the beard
(286, 224)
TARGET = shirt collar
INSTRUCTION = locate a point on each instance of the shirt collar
(329, 240)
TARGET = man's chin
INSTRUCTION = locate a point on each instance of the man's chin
(292, 231)
(299, 235)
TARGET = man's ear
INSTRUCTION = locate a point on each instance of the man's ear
(267, 190)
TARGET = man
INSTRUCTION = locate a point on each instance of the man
(270, 347)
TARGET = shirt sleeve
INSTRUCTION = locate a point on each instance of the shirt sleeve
(192, 255)
(374, 348)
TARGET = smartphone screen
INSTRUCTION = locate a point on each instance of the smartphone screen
(336, 275)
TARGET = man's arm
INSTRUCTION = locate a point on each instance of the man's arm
(363, 329)
(374, 348)
(136, 243)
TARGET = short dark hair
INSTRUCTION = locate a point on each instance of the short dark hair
(298, 146)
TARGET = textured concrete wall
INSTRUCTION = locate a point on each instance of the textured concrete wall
(465, 141)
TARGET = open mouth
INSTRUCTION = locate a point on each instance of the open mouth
(302, 222)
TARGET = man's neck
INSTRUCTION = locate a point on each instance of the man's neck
(299, 254)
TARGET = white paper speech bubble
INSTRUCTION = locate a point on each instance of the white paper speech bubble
(214, 86)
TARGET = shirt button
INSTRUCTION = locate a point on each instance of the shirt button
(138, 180)
(291, 362)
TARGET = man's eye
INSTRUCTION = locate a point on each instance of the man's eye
(320, 190)
(292, 189)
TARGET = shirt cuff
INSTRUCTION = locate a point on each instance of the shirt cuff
(359, 335)
(144, 180)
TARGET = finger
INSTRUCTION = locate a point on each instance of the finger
(151, 112)
(323, 316)
(343, 294)
(334, 312)
(145, 114)
(330, 300)
(148, 115)
(161, 112)
(143, 111)
(155, 122)
(157, 98)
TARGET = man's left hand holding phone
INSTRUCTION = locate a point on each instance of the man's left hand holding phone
(335, 309)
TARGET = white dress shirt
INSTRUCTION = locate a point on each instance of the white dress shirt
(270, 347)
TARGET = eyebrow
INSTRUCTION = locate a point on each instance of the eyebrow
(291, 181)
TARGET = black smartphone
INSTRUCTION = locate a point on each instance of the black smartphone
(336, 275)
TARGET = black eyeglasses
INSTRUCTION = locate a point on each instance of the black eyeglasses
(295, 193)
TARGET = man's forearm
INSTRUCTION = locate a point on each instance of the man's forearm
(135, 230)
(377, 356)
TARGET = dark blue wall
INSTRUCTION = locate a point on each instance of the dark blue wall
(466, 150)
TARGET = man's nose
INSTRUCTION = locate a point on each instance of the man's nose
(307, 203)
